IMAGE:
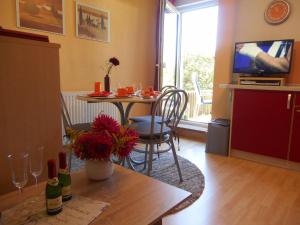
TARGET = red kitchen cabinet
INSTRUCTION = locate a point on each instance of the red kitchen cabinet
(297, 100)
(295, 138)
(261, 122)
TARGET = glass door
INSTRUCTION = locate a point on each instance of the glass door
(198, 45)
(170, 50)
(187, 54)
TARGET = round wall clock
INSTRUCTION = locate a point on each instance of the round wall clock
(277, 11)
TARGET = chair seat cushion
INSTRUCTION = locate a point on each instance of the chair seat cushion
(82, 126)
(144, 129)
(136, 119)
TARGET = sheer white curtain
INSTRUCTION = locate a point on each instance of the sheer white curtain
(159, 42)
(168, 51)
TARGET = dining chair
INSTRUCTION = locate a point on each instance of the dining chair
(173, 104)
(158, 118)
(198, 90)
(67, 124)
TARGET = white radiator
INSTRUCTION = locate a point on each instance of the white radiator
(83, 112)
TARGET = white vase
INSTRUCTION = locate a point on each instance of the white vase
(99, 169)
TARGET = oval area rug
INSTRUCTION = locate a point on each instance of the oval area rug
(164, 169)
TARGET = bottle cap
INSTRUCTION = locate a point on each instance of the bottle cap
(51, 168)
(62, 160)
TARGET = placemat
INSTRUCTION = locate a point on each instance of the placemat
(78, 211)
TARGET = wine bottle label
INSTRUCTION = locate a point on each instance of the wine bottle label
(53, 182)
(63, 171)
(54, 204)
(66, 191)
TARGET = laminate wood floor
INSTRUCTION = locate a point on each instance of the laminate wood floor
(239, 192)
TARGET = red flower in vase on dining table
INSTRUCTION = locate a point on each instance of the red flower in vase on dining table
(112, 62)
(107, 138)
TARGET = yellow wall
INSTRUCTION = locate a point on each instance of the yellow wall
(223, 58)
(243, 20)
(251, 26)
(132, 41)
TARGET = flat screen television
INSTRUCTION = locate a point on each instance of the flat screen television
(263, 58)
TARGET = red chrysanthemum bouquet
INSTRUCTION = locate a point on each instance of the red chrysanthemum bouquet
(107, 138)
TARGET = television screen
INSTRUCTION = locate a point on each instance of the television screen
(263, 57)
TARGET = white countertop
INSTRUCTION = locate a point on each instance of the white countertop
(260, 87)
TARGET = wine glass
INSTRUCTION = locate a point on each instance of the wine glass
(19, 166)
(36, 163)
(138, 90)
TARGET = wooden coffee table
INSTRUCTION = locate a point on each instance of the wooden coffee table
(135, 199)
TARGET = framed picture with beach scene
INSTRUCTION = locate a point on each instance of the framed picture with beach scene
(92, 23)
(42, 15)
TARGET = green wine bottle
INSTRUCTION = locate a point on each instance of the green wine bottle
(64, 177)
(53, 190)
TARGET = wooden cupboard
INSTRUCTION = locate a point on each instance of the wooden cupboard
(29, 102)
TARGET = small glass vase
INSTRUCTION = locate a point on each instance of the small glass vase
(99, 169)
(107, 83)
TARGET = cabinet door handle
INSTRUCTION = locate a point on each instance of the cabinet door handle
(288, 104)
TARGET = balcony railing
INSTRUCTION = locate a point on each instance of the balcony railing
(196, 111)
